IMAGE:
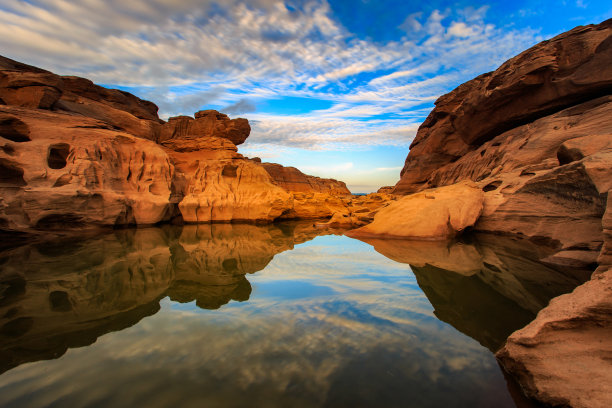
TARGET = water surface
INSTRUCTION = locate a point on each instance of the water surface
(278, 315)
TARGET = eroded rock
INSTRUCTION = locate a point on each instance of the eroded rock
(436, 214)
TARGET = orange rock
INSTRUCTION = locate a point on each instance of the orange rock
(207, 123)
(436, 214)
(293, 180)
(567, 70)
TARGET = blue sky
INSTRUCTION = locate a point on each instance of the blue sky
(335, 88)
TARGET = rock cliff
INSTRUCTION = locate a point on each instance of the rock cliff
(77, 155)
(291, 179)
(535, 136)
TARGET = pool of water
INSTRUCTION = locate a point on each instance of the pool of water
(278, 315)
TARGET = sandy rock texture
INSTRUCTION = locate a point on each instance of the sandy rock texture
(77, 155)
(436, 214)
(535, 136)
(60, 170)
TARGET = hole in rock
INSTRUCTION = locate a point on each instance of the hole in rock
(11, 174)
(17, 327)
(230, 265)
(59, 301)
(525, 173)
(14, 129)
(8, 149)
(566, 156)
(229, 171)
(482, 152)
(54, 221)
(492, 186)
(56, 158)
(11, 289)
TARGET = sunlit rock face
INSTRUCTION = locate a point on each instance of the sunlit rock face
(437, 214)
(74, 155)
(59, 295)
(206, 123)
(293, 180)
(535, 136)
(486, 287)
(64, 171)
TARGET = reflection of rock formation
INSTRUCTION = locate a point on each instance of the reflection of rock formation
(67, 294)
(486, 289)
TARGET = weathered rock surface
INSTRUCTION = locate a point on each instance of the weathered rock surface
(293, 180)
(73, 154)
(222, 185)
(209, 123)
(564, 357)
(436, 214)
(74, 172)
(535, 136)
(565, 71)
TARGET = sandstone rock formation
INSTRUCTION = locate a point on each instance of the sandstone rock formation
(74, 154)
(535, 135)
(293, 180)
(437, 214)
(208, 122)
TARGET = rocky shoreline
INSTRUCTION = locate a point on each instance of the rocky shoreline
(531, 144)
(524, 151)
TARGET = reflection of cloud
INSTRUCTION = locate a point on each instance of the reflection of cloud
(370, 337)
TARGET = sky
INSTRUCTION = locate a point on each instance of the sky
(334, 88)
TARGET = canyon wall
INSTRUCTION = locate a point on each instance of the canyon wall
(77, 155)
(535, 137)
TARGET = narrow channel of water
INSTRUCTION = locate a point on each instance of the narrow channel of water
(278, 315)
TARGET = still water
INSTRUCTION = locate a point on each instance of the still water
(264, 316)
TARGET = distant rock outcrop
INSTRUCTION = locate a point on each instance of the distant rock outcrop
(292, 179)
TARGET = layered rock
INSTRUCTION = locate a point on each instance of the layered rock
(565, 71)
(208, 123)
(535, 135)
(293, 180)
(30, 87)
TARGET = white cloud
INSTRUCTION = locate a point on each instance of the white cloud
(189, 54)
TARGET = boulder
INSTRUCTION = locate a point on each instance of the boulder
(436, 214)
(207, 123)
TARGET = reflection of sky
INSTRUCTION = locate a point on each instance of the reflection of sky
(329, 323)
